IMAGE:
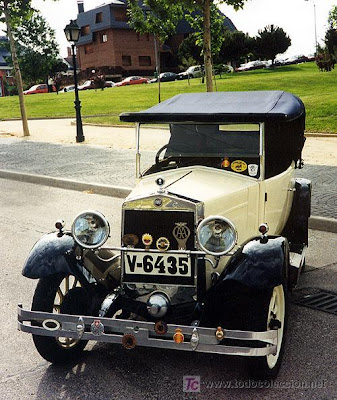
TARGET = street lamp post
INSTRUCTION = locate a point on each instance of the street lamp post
(72, 32)
(316, 44)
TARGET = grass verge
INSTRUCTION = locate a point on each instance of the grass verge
(316, 89)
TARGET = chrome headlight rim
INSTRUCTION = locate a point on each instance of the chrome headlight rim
(105, 224)
(222, 219)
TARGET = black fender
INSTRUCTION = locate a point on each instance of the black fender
(261, 263)
(296, 229)
(251, 274)
(52, 254)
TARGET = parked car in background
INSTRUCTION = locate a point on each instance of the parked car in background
(86, 85)
(69, 88)
(195, 71)
(91, 85)
(295, 59)
(251, 65)
(165, 77)
(132, 80)
(41, 88)
(109, 84)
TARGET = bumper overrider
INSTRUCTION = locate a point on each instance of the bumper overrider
(131, 333)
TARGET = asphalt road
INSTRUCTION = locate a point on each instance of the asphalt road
(109, 372)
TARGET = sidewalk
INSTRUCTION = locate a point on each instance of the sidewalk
(107, 158)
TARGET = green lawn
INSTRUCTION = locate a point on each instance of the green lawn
(318, 91)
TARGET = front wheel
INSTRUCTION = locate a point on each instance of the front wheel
(273, 314)
(59, 294)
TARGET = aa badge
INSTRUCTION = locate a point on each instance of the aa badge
(181, 233)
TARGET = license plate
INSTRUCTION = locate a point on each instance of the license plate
(157, 264)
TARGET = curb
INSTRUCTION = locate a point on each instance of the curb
(323, 224)
(62, 183)
(315, 222)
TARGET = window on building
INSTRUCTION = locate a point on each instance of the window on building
(99, 17)
(144, 61)
(120, 14)
(88, 49)
(126, 61)
(94, 36)
(103, 37)
(85, 30)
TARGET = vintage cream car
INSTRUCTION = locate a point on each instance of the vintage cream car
(213, 238)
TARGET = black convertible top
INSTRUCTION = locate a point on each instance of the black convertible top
(254, 106)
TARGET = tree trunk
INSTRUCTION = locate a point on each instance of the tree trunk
(207, 44)
(17, 72)
(157, 54)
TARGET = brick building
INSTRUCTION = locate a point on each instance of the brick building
(109, 44)
(5, 69)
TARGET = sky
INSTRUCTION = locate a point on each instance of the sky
(296, 17)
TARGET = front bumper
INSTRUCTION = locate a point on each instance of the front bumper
(143, 333)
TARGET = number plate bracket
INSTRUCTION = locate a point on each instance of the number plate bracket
(158, 268)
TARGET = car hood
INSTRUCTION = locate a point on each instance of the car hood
(204, 184)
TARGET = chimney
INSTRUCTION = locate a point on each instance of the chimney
(69, 51)
(80, 6)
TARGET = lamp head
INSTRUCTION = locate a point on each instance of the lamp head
(72, 31)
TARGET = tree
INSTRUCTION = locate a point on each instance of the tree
(235, 48)
(331, 41)
(11, 13)
(326, 56)
(37, 49)
(162, 12)
(158, 17)
(189, 50)
(271, 41)
(205, 7)
(218, 29)
(332, 20)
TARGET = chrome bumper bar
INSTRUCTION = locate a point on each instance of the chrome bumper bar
(130, 333)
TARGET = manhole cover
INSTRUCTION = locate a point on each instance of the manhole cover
(320, 300)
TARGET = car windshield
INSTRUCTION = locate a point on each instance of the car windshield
(232, 147)
(213, 140)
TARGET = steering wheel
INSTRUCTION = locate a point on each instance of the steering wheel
(159, 152)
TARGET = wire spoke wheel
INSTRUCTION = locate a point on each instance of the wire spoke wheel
(60, 295)
(69, 282)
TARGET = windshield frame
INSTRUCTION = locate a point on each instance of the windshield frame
(261, 143)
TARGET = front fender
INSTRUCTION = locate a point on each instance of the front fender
(260, 263)
(249, 277)
(48, 257)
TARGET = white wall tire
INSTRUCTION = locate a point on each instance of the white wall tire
(267, 367)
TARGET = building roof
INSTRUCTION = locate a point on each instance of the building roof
(88, 18)
(108, 20)
(4, 51)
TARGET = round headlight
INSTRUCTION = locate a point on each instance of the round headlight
(90, 229)
(216, 235)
